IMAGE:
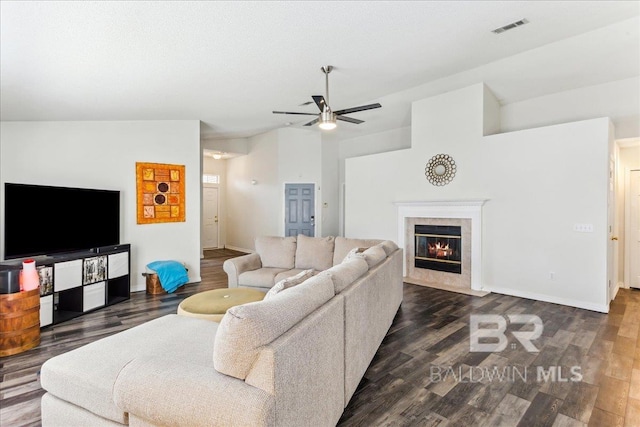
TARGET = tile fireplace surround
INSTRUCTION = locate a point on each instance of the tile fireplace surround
(464, 213)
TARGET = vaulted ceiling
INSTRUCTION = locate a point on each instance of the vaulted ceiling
(229, 64)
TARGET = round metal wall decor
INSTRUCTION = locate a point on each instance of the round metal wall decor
(440, 170)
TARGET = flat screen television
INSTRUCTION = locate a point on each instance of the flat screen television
(43, 220)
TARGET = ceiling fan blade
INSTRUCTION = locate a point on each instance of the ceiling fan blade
(320, 102)
(356, 109)
(300, 114)
(312, 122)
(349, 119)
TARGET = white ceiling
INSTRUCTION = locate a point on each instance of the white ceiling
(229, 64)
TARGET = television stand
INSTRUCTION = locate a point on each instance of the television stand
(75, 283)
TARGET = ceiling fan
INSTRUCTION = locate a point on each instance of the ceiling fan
(327, 117)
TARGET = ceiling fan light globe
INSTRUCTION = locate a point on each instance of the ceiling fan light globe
(327, 120)
(327, 125)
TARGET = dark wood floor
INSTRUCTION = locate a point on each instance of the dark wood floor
(431, 332)
(429, 335)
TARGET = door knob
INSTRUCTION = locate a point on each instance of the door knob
(614, 238)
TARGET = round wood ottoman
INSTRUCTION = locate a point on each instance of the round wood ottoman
(212, 305)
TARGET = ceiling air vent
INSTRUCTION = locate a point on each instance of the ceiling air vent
(510, 26)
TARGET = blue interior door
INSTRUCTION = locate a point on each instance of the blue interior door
(299, 209)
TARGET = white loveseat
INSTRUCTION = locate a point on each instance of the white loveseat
(293, 359)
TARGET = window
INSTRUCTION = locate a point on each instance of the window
(210, 179)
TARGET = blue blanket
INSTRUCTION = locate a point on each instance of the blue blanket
(172, 274)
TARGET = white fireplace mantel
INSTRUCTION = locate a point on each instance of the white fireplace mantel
(468, 209)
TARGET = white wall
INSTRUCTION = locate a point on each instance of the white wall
(620, 99)
(538, 182)
(103, 155)
(274, 159)
(300, 161)
(234, 145)
(391, 140)
(253, 210)
(330, 188)
(394, 139)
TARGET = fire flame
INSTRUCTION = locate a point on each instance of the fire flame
(439, 250)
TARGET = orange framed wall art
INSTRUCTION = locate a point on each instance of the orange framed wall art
(160, 193)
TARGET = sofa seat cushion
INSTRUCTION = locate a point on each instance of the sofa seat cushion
(314, 252)
(86, 376)
(289, 282)
(289, 273)
(343, 245)
(247, 328)
(260, 278)
(157, 391)
(276, 252)
(347, 272)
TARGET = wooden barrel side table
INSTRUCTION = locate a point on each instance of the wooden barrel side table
(19, 322)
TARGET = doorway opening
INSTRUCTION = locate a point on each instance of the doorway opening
(625, 233)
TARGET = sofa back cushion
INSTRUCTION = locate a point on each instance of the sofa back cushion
(276, 252)
(314, 252)
(347, 272)
(374, 255)
(244, 329)
(389, 247)
(343, 245)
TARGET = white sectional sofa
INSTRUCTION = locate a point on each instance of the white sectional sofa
(294, 359)
(277, 258)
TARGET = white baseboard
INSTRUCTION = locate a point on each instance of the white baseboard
(619, 286)
(138, 287)
(235, 248)
(142, 287)
(546, 298)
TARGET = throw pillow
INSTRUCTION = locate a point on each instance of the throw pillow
(355, 253)
(344, 244)
(289, 282)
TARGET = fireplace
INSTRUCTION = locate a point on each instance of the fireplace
(466, 258)
(439, 248)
